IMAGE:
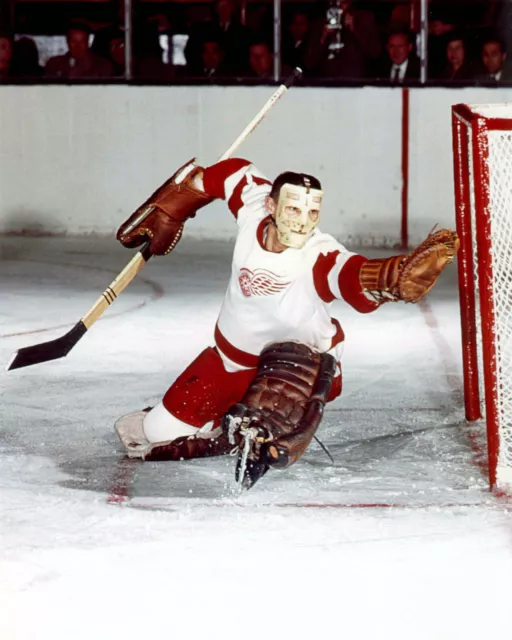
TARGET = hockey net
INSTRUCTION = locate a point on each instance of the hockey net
(482, 147)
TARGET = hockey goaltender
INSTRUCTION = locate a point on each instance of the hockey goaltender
(276, 361)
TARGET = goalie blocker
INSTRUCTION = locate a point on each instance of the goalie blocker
(162, 217)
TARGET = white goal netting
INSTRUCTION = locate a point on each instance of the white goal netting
(500, 210)
(490, 179)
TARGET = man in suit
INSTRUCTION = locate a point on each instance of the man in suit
(402, 64)
(79, 61)
(494, 61)
(226, 26)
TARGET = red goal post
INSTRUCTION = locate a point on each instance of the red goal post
(482, 155)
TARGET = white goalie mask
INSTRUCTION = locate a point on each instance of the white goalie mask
(297, 213)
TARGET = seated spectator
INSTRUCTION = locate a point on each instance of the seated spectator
(212, 60)
(227, 27)
(114, 42)
(402, 64)
(295, 40)
(79, 61)
(494, 61)
(362, 26)
(148, 54)
(261, 60)
(26, 59)
(147, 62)
(440, 27)
(6, 53)
(457, 65)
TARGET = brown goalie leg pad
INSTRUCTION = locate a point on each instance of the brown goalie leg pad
(286, 407)
(189, 447)
(286, 450)
(381, 274)
(324, 379)
(286, 375)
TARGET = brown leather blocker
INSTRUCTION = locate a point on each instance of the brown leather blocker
(168, 208)
(286, 400)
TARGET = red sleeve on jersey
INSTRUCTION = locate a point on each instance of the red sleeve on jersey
(235, 202)
(322, 268)
(215, 176)
(350, 287)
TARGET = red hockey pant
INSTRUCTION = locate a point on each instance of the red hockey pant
(205, 390)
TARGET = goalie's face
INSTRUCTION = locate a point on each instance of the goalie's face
(296, 214)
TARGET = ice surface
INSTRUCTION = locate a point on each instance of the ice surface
(399, 538)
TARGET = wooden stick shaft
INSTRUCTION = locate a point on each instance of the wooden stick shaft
(254, 122)
(115, 288)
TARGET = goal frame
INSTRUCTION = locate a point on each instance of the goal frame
(470, 137)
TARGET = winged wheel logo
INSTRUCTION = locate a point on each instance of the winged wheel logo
(260, 282)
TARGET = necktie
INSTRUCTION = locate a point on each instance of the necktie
(396, 74)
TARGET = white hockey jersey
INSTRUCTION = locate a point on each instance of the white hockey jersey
(277, 296)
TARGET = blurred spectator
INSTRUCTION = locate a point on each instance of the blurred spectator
(402, 64)
(26, 59)
(494, 56)
(114, 39)
(400, 18)
(352, 57)
(212, 60)
(79, 61)
(501, 20)
(6, 54)
(147, 52)
(227, 28)
(295, 40)
(104, 30)
(361, 24)
(457, 65)
(440, 27)
(261, 60)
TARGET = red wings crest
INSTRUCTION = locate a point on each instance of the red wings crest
(260, 282)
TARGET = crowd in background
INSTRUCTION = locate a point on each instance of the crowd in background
(226, 42)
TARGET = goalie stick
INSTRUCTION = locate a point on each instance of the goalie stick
(60, 347)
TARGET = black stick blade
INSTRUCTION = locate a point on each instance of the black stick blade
(51, 350)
